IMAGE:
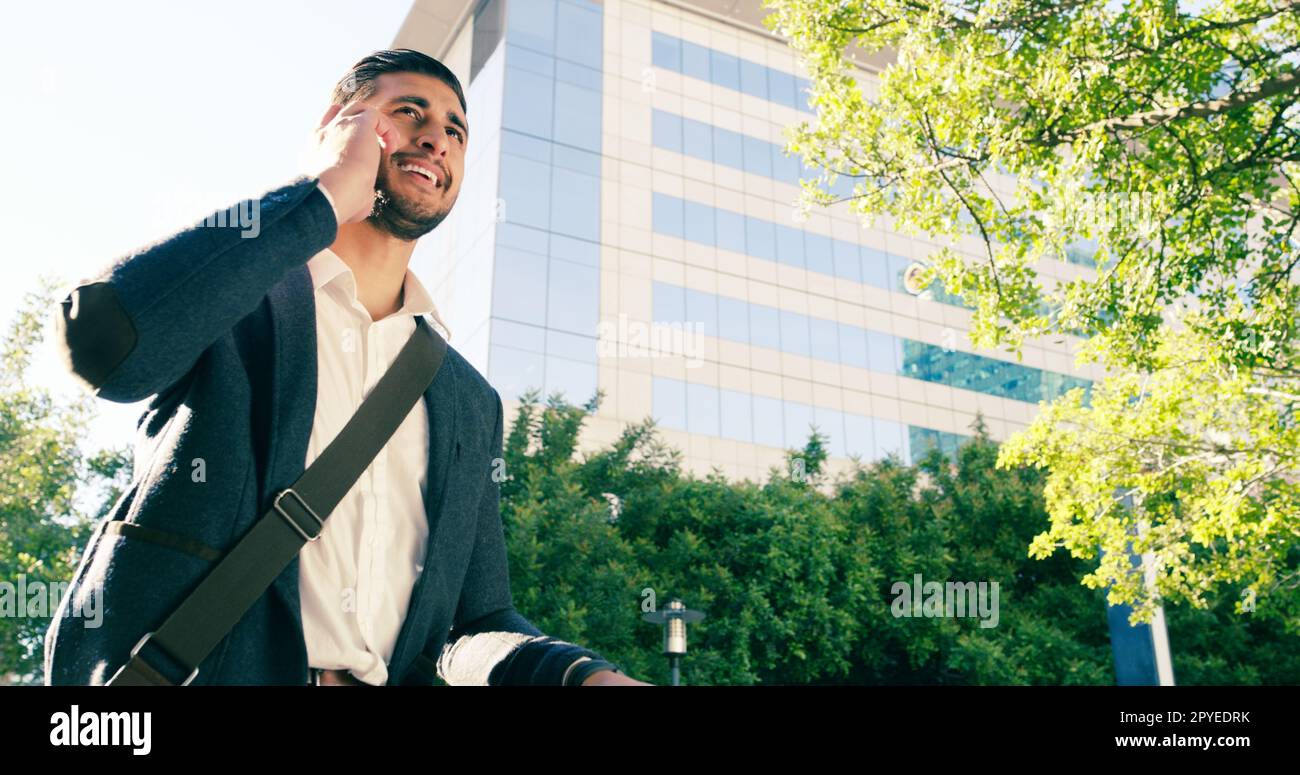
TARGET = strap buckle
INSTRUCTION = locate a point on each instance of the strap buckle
(293, 523)
(135, 654)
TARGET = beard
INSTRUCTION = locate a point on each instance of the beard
(398, 214)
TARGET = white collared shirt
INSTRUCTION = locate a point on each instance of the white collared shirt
(356, 581)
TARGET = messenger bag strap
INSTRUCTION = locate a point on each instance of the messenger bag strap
(297, 515)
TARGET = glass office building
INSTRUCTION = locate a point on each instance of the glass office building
(626, 223)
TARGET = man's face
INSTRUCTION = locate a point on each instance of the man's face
(432, 135)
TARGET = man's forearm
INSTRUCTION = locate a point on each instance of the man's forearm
(141, 324)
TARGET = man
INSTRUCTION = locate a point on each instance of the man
(256, 352)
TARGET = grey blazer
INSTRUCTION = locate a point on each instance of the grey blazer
(219, 330)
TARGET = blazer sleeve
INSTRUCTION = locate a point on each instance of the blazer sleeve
(490, 642)
(140, 325)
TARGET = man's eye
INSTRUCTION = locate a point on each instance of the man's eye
(412, 111)
(457, 133)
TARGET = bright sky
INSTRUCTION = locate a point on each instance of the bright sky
(129, 120)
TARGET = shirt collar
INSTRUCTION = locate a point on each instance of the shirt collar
(328, 269)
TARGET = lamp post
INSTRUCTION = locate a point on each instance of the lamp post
(674, 619)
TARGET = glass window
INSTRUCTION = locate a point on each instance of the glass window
(789, 246)
(831, 424)
(875, 267)
(804, 87)
(520, 58)
(579, 35)
(857, 436)
(785, 168)
(515, 284)
(884, 353)
(695, 60)
(532, 24)
(730, 230)
(825, 339)
(817, 251)
(702, 409)
(575, 381)
(573, 297)
(702, 312)
(853, 346)
(666, 52)
(669, 303)
(527, 104)
(889, 439)
(842, 188)
(507, 333)
(921, 440)
(512, 235)
(764, 326)
(798, 424)
(669, 403)
(577, 116)
(727, 148)
(753, 79)
(915, 363)
(514, 372)
(733, 319)
(736, 418)
(758, 156)
(666, 214)
(760, 239)
(780, 88)
(576, 250)
(794, 333)
(699, 223)
(521, 179)
(897, 266)
(576, 159)
(575, 204)
(848, 265)
(577, 75)
(725, 70)
(666, 131)
(572, 346)
(527, 146)
(697, 139)
(769, 425)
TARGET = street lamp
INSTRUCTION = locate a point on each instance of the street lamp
(674, 619)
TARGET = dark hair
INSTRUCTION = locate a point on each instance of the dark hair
(359, 82)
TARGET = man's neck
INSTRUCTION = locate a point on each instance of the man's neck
(378, 260)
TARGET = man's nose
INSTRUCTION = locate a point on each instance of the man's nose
(434, 143)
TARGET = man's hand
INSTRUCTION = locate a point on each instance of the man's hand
(349, 145)
(611, 678)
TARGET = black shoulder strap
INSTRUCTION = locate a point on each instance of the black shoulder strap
(297, 515)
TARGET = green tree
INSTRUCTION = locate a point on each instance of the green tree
(796, 574)
(49, 488)
(1156, 142)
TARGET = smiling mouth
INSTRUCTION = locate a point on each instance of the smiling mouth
(426, 176)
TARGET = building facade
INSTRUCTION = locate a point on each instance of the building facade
(626, 223)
